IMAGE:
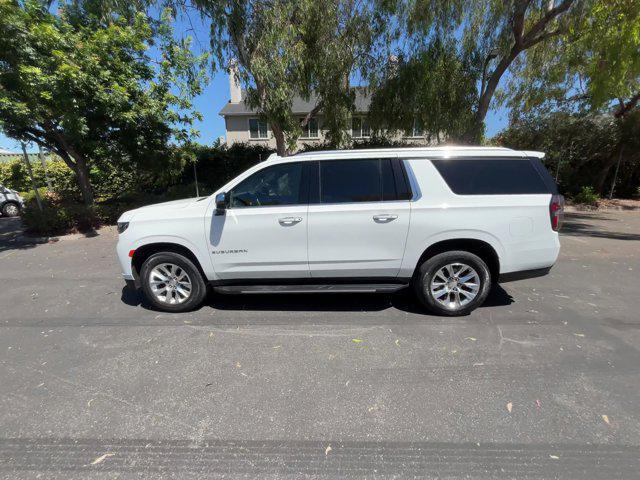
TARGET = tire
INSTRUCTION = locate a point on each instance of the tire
(441, 297)
(172, 295)
(10, 209)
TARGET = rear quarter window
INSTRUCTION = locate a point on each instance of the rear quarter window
(491, 176)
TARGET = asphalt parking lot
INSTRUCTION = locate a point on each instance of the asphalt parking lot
(542, 382)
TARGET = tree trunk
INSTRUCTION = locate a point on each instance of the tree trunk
(281, 144)
(77, 163)
(475, 132)
(82, 175)
(79, 167)
(604, 172)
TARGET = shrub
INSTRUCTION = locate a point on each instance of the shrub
(587, 196)
(582, 149)
(58, 216)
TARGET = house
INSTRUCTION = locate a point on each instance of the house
(243, 125)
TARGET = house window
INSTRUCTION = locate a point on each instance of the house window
(310, 130)
(257, 128)
(417, 130)
(360, 127)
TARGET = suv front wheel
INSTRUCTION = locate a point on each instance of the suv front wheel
(453, 283)
(10, 209)
(171, 282)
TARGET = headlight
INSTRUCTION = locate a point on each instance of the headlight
(122, 226)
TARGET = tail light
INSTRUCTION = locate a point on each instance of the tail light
(556, 212)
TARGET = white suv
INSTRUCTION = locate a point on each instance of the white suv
(446, 221)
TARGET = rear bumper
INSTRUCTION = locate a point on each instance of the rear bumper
(523, 274)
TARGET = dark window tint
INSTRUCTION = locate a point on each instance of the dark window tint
(546, 176)
(491, 176)
(402, 182)
(344, 181)
(388, 182)
(277, 185)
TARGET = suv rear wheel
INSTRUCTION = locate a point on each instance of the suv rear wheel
(453, 283)
(171, 282)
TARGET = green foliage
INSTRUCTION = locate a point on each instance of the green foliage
(108, 183)
(218, 164)
(285, 48)
(587, 196)
(14, 175)
(57, 217)
(582, 149)
(598, 68)
(491, 35)
(434, 87)
(86, 87)
(377, 140)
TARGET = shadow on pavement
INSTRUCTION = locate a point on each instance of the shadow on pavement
(319, 302)
(11, 235)
(582, 225)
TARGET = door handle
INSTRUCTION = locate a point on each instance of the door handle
(289, 220)
(384, 217)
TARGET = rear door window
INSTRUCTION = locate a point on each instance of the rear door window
(500, 176)
(361, 180)
(347, 181)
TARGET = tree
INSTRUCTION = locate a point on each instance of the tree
(85, 87)
(285, 48)
(597, 70)
(579, 146)
(494, 33)
(434, 87)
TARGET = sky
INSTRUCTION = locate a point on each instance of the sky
(216, 94)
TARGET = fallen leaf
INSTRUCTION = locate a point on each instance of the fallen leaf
(101, 458)
(606, 419)
(89, 402)
(397, 342)
(555, 457)
(509, 407)
(238, 365)
(327, 450)
(356, 340)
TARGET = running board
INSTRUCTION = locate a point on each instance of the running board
(326, 288)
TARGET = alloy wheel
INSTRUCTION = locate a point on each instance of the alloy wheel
(455, 285)
(11, 210)
(170, 283)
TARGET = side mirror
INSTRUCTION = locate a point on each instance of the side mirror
(222, 202)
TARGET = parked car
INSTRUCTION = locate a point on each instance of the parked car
(11, 203)
(447, 222)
